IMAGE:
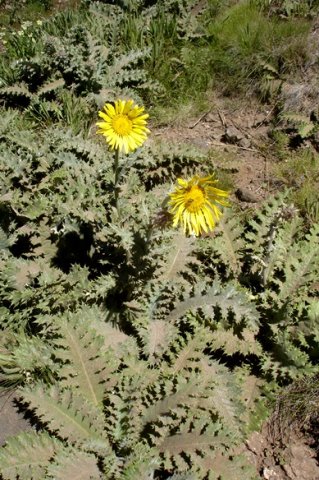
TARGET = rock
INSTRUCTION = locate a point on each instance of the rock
(232, 135)
(293, 93)
(302, 463)
(256, 120)
(245, 195)
(244, 142)
(299, 97)
(269, 474)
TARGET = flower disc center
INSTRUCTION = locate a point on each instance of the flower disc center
(121, 124)
(194, 199)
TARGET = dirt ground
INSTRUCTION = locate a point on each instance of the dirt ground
(236, 140)
(11, 421)
(296, 459)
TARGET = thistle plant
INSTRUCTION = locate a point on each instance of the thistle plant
(139, 349)
(131, 321)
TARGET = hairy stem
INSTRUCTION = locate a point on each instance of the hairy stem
(116, 175)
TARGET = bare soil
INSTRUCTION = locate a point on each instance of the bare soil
(236, 139)
(295, 459)
(11, 421)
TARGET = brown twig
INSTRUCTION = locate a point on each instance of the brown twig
(241, 129)
(221, 144)
(222, 119)
(162, 131)
(259, 124)
(200, 119)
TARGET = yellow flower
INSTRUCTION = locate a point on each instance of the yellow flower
(123, 125)
(195, 204)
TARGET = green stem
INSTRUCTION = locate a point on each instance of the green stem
(116, 175)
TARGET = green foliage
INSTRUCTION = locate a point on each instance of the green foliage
(15, 12)
(299, 172)
(106, 47)
(305, 126)
(288, 8)
(66, 69)
(107, 326)
(27, 455)
(149, 383)
(226, 46)
(174, 410)
(278, 263)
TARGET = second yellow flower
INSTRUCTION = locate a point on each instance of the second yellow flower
(195, 204)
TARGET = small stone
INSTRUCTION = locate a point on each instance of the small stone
(245, 143)
(269, 474)
(245, 195)
(232, 135)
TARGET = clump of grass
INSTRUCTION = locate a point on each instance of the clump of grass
(299, 171)
(297, 408)
(180, 114)
(230, 47)
(238, 43)
(68, 110)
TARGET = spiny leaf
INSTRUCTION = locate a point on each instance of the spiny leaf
(279, 251)
(16, 91)
(51, 86)
(299, 268)
(230, 243)
(112, 336)
(185, 353)
(188, 442)
(27, 456)
(79, 347)
(178, 257)
(225, 394)
(305, 129)
(245, 342)
(227, 298)
(225, 466)
(156, 336)
(184, 394)
(141, 464)
(4, 241)
(67, 413)
(75, 465)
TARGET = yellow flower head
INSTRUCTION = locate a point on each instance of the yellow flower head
(123, 125)
(195, 204)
